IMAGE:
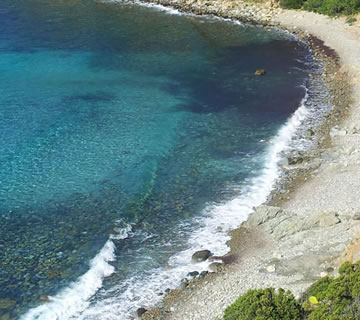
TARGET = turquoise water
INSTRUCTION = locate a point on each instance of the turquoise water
(125, 122)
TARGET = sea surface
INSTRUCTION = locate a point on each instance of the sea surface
(130, 137)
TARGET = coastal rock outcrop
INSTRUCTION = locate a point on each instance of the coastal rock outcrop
(281, 223)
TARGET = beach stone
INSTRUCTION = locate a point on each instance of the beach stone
(260, 72)
(193, 274)
(201, 255)
(271, 269)
(309, 133)
(337, 132)
(203, 274)
(140, 312)
(216, 267)
(356, 216)
(295, 160)
(7, 303)
(44, 299)
(184, 283)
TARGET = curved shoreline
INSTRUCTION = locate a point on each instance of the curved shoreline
(320, 207)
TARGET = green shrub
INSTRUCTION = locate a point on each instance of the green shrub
(333, 7)
(291, 4)
(339, 298)
(264, 304)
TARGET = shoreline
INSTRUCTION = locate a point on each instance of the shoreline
(253, 244)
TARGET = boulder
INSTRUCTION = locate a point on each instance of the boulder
(140, 312)
(263, 214)
(356, 216)
(201, 255)
(184, 283)
(216, 267)
(260, 72)
(203, 274)
(193, 274)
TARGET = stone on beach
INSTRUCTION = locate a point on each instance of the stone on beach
(201, 255)
(140, 312)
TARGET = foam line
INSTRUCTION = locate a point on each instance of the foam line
(75, 298)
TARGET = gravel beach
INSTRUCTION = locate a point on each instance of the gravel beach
(315, 226)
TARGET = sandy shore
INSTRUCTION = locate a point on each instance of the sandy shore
(314, 227)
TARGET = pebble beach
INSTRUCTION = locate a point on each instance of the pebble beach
(307, 231)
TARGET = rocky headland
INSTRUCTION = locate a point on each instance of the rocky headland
(309, 228)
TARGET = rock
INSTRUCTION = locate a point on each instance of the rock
(201, 255)
(309, 133)
(260, 72)
(295, 160)
(271, 269)
(263, 214)
(44, 299)
(216, 267)
(140, 312)
(337, 132)
(193, 274)
(7, 303)
(356, 216)
(167, 290)
(355, 129)
(184, 283)
(327, 219)
(349, 150)
(203, 274)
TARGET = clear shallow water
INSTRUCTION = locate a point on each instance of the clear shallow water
(125, 135)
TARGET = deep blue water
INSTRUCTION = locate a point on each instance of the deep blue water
(126, 121)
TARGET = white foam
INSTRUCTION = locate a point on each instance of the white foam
(122, 300)
(75, 298)
(159, 7)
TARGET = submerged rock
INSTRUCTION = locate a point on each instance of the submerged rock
(201, 255)
(260, 72)
(7, 303)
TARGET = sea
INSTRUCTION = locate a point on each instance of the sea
(132, 136)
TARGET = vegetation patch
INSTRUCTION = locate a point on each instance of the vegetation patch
(328, 7)
(327, 299)
(264, 304)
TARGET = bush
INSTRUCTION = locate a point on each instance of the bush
(264, 304)
(333, 7)
(339, 298)
(291, 4)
